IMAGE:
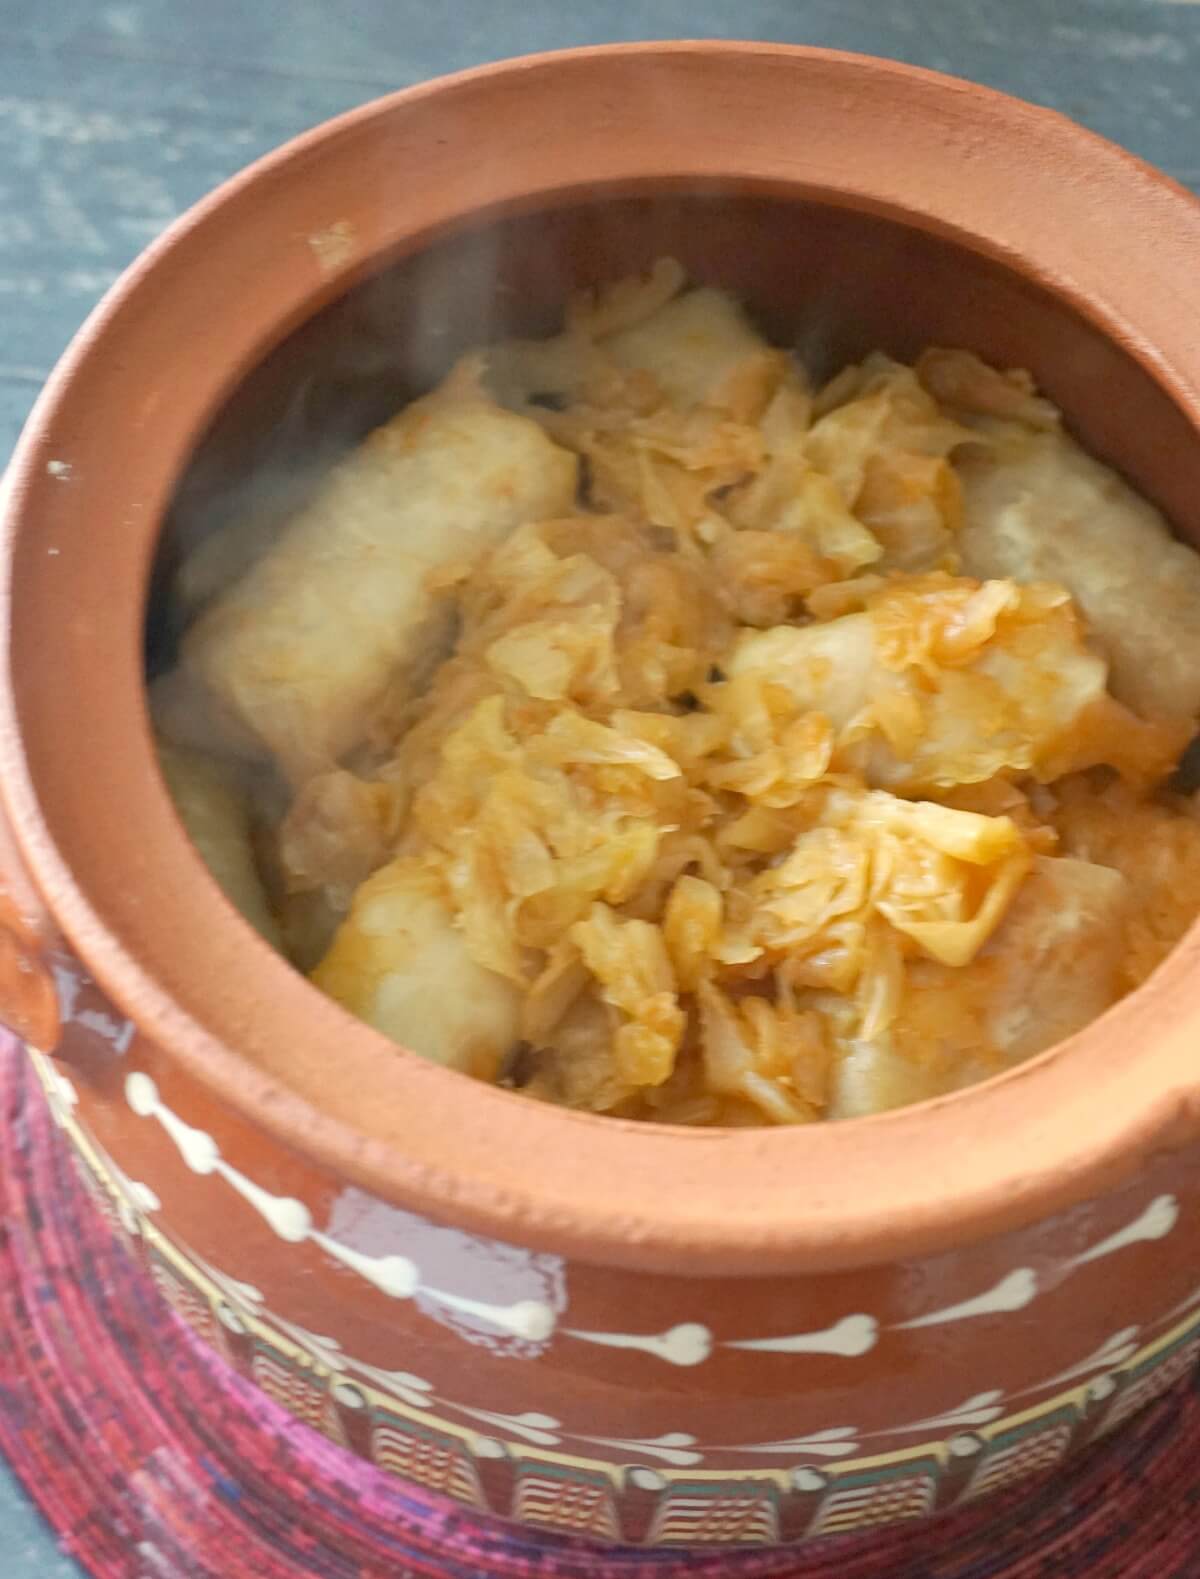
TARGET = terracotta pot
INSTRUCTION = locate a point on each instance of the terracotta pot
(635, 1333)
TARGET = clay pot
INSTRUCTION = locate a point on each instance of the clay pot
(633, 1333)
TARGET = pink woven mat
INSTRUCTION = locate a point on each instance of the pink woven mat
(152, 1460)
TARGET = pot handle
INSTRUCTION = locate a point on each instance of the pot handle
(28, 996)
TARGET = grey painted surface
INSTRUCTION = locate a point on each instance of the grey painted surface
(116, 117)
(27, 1550)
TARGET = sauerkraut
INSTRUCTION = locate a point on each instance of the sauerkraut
(797, 763)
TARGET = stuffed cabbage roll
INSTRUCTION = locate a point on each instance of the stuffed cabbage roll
(1050, 968)
(1037, 507)
(215, 811)
(699, 347)
(400, 964)
(298, 652)
(940, 681)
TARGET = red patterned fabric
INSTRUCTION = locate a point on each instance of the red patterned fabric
(151, 1459)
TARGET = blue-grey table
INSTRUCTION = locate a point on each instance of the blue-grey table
(116, 115)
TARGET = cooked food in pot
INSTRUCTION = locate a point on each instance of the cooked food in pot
(636, 725)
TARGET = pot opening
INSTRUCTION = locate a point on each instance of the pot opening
(830, 285)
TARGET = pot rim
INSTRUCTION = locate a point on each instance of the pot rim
(196, 980)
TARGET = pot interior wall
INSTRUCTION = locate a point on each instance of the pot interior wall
(832, 282)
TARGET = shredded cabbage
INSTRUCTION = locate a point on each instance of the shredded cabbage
(748, 805)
